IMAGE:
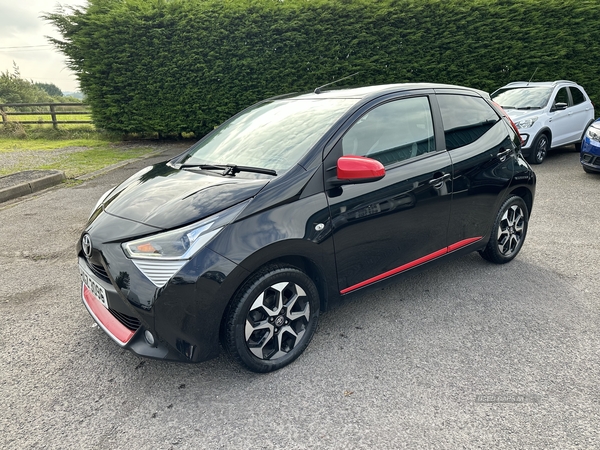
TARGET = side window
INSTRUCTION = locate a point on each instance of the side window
(562, 96)
(577, 95)
(465, 119)
(392, 132)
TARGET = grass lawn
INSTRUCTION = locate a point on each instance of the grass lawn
(76, 151)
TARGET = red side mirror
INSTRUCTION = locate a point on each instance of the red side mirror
(359, 169)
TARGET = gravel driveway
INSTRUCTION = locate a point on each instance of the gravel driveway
(465, 355)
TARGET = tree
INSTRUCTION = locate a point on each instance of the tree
(173, 66)
(51, 89)
(14, 89)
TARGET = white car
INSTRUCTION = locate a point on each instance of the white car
(547, 114)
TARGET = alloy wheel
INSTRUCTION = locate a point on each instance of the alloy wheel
(277, 321)
(541, 149)
(510, 230)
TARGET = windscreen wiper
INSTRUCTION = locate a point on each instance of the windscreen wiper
(230, 169)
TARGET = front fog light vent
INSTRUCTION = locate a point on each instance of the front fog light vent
(159, 272)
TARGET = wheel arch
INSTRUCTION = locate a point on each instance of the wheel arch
(311, 269)
(301, 262)
(548, 132)
(525, 194)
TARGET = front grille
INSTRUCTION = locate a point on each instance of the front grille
(591, 159)
(98, 271)
(129, 321)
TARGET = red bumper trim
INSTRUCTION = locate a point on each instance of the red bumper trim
(115, 329)
(410, 265)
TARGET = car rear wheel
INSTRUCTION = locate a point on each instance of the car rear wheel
(272, 318)
(539, 149)
(508, 233)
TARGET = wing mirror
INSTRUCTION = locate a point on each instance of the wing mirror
(559, 106)
(352, 169)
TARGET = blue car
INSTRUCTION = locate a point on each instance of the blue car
(590, 148)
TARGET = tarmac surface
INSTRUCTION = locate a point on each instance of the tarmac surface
(464, 355)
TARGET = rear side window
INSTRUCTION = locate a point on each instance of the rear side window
(577, 95)
(465, 119)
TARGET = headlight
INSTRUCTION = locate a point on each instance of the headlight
(593, 133)
(183, 243)
(162, 255)
(525, 123)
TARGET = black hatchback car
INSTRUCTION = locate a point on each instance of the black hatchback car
(294, 204)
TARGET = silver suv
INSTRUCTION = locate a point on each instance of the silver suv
(548, 114)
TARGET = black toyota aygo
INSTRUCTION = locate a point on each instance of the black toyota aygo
(294, 204)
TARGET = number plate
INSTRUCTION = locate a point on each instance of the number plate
(93, 286)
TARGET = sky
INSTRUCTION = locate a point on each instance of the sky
(23, 40)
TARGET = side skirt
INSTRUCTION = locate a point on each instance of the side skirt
(417, 262)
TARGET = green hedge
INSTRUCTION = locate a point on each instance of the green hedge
(173, 66)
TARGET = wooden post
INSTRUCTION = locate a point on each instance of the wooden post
(4, 116)
(54, 121)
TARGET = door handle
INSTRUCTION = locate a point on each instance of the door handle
(503, 153)
(437, 183)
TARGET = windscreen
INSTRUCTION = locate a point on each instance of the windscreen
(272, 135)
(522, 97)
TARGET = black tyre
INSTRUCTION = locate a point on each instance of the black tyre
(272, 318)
(508, 233)
(539, 149)
(586, 170)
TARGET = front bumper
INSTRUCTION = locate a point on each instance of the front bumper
(526, 137)
(126, 329)
(590, 154)
(183, 316)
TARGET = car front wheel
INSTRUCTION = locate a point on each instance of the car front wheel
(539, 149)
(508, 233)
(272, 318)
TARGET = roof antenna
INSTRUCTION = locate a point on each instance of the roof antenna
(318, 90)
(533, 75)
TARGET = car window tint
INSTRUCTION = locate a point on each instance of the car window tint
(392, 132)
(465, 119)
(577, 95)
(562, 96)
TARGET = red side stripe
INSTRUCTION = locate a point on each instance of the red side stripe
(105, 318)
(411, 264)
(462, 243)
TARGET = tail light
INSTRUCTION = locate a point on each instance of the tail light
(512, 124)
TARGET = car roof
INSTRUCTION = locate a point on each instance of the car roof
(376, 91)
(540, 83)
